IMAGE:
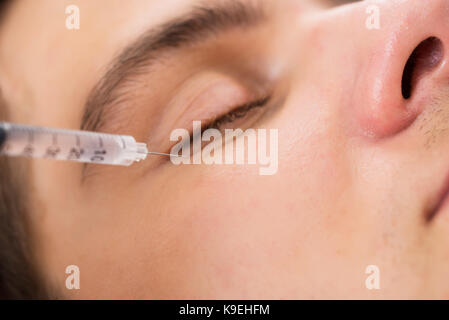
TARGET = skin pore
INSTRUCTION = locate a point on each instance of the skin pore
(360, 166)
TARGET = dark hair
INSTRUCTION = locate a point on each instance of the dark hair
(19, 278)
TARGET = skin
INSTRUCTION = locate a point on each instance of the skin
(359, 165)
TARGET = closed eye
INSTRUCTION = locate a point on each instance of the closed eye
(234, 118)
(238, 113)
(341, 2)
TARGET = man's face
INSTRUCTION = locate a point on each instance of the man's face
(361, 172)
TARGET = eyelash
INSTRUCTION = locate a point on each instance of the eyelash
(237, 113)
(337, 3)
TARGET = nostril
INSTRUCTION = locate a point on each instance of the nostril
(426, 57)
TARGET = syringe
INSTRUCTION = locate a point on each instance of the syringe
(71, 145)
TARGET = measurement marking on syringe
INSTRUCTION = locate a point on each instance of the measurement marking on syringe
(76, 152)
(28, 150)
(61, 144)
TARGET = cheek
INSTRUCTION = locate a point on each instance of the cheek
(228, 227)
(224, 230)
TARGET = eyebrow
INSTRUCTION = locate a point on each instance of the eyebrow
(198, 25)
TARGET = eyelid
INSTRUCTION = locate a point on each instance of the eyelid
(239, 112)
(207, 96)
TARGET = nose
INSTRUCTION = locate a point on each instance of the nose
(397, 68)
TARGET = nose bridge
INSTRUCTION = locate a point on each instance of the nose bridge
(369, 63)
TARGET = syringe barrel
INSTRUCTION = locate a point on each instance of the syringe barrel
(72, 145)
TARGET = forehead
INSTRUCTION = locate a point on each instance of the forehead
(46, 67)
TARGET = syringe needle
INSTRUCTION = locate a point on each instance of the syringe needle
(164, 154)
